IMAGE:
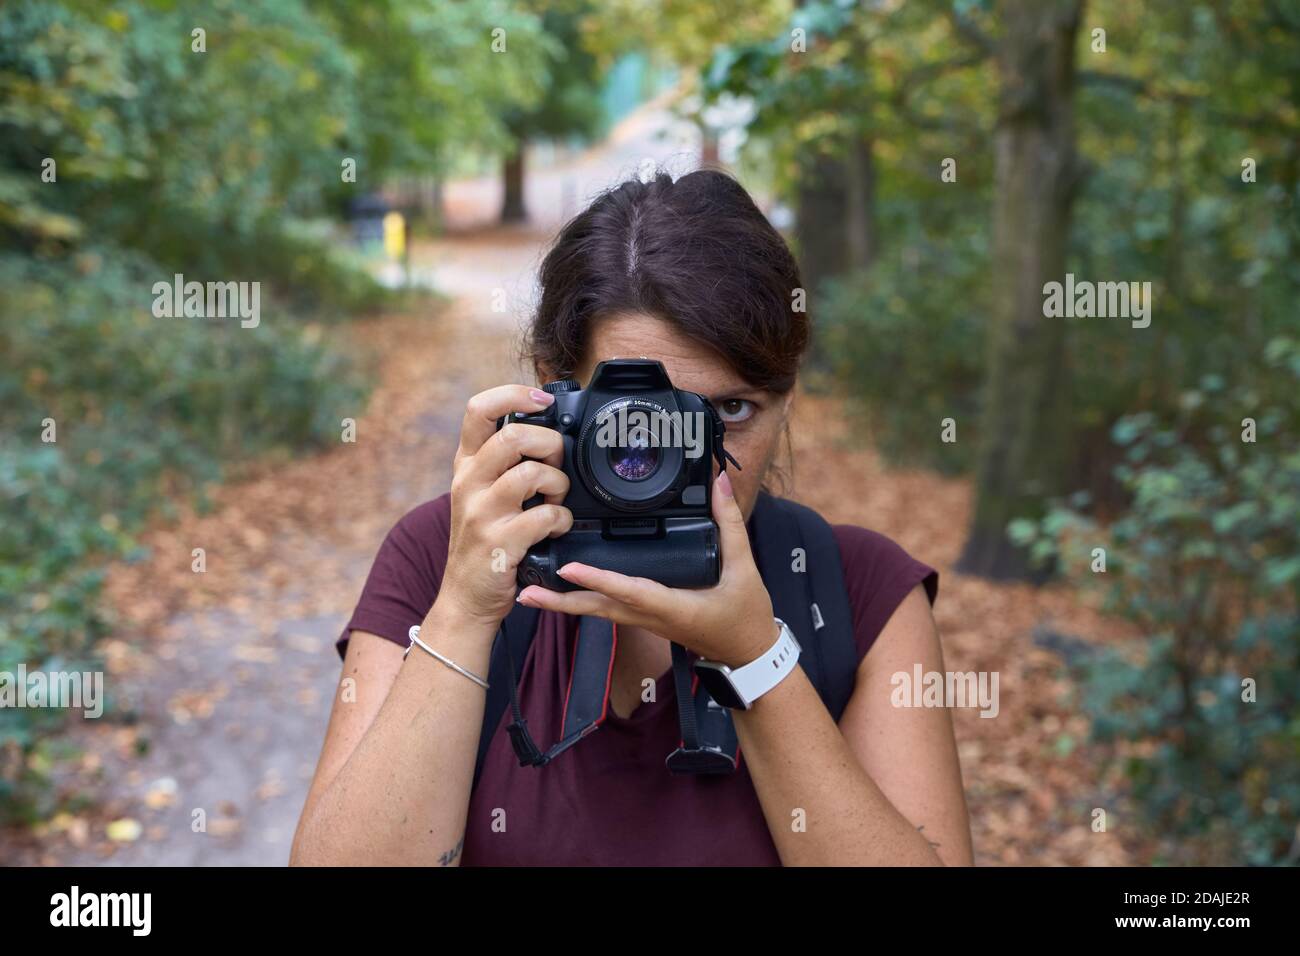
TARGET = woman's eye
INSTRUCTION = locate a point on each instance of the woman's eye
(734, 410)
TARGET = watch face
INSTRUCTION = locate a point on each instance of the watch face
(718, 685)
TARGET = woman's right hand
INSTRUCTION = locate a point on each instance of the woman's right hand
(490, 529)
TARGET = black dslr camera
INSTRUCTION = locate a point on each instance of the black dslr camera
(639, 456)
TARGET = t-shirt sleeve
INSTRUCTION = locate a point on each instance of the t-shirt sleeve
(878, 574)
(405, 577)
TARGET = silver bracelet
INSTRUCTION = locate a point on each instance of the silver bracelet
(414, 635)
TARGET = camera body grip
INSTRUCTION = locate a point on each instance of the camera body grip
(685, 556)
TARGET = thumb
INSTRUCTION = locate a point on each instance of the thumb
(731, 523)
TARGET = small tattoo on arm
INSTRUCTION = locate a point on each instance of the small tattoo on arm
(449, 857)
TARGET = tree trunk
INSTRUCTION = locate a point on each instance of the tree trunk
(860, 171)
(820, 220)
(436, 203)
(820, 232)
(835, 201)
(860, 214)
(430, 193)
(1025, 430)
(512, 178)
(835, 220)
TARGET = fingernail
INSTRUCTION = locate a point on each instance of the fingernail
(540, 397)
(519, 599)
(565, 571)
(724, 484)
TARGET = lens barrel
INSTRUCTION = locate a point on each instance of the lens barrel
(630, 454)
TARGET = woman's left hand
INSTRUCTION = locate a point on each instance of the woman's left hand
(731, 622)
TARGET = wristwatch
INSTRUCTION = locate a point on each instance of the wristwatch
(739, 687)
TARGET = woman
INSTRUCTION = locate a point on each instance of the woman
(692, 274)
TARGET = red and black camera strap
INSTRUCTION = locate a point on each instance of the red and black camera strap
(808, 594)
(708, 743)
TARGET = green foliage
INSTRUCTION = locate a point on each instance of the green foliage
(688, 33)
(570, 104)
(1165, 117)
(426, 82)
(128, 155)
(895, 75)
(144, 409)
(906, 337)
(1206, 561)
(255, 126)
(907, 341)
(1204, 550)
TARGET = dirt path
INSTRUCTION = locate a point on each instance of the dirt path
(228, 675)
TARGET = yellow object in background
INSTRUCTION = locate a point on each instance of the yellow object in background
(394, 235)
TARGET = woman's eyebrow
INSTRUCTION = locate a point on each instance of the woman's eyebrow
(739, 391)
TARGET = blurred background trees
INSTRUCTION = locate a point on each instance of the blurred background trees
(1119, 142)
(570, 106)
(934, 162)
(220, 141)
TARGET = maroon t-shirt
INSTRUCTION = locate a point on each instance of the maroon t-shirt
(608, 800)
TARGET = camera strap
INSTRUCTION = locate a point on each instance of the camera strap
(708, 742)
(586, 703)
(799, 560)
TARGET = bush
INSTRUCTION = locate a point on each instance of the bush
(1205, 721)
(125, 158)
(139, 404)
(907, 340)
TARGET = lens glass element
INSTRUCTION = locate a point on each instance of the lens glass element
(636, 461)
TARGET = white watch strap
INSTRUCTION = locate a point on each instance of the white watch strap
(759, 676)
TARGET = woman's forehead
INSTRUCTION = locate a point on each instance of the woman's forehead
(691, 364)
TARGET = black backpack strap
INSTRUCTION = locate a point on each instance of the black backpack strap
(799, 559)
(513, 639)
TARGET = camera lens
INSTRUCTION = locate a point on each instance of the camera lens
(630, 454)
(635, 461)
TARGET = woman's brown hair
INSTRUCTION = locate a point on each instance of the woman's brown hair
(697, 253)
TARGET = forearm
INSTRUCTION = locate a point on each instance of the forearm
(402, 796)
(821, 806)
